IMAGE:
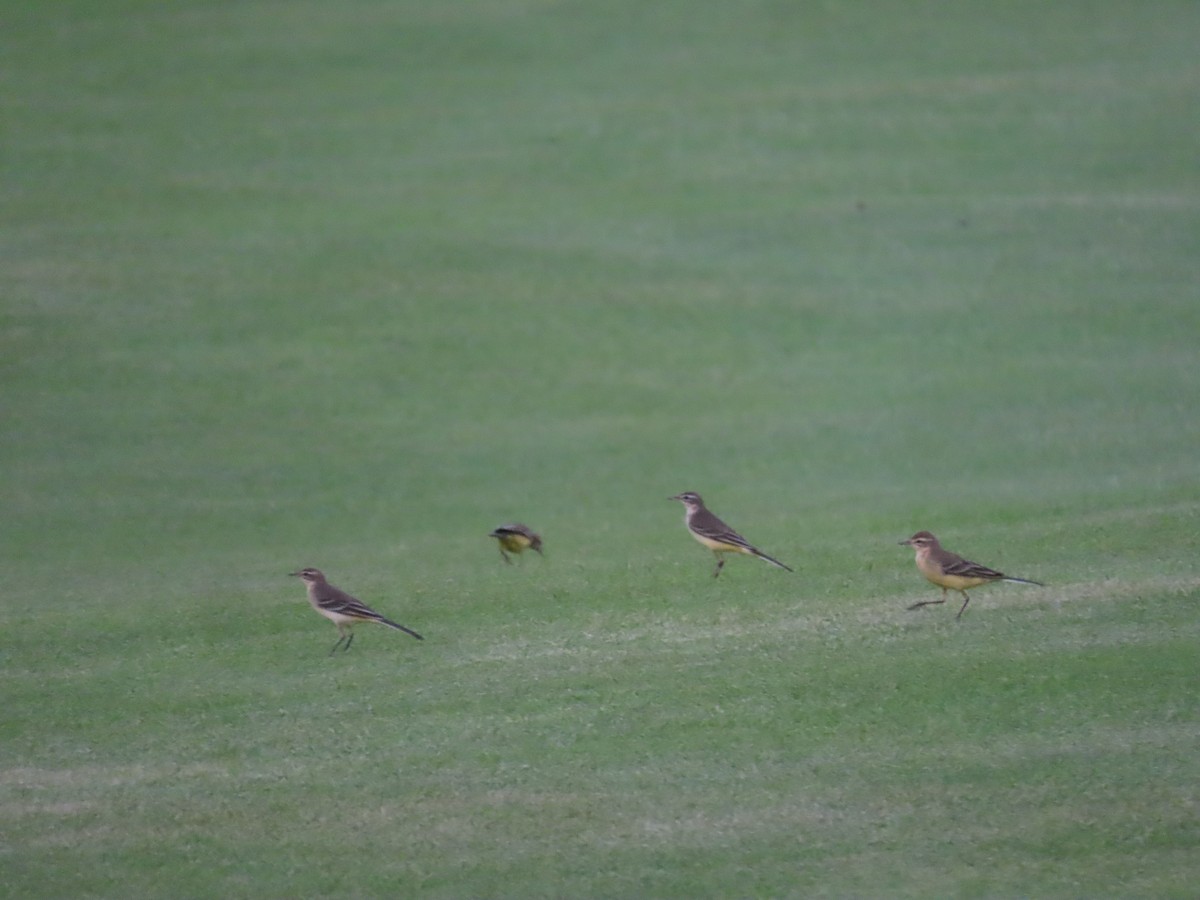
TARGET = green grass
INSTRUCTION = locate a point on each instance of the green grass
(348, 285)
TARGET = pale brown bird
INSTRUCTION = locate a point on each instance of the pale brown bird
(341, 609)
(949, 571)
(715, 534)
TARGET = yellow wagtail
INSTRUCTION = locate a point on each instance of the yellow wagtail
(341, 609)
(715, 534)
(949, 571)
(516, 538)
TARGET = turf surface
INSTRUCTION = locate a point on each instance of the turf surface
(348, 285)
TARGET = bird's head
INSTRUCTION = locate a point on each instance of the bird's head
(690, 499)
(921, 540)
(309, 575)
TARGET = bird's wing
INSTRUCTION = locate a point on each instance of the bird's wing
(345, 605)
(709, 526)
(514, 528)
(964, 568)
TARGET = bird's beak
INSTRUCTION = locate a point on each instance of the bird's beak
(294, 574)
(676, 497)
(904, 542)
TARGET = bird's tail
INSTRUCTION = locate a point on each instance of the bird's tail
(400, 627)
(770, 559)
(1021, 580)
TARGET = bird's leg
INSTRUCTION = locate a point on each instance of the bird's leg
(925, 603)
(720, 563)
(344, 634)
(966, 600)
(929, 603)
(505, 556)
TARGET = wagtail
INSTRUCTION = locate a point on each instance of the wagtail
(715, 534)
(516, 538)
(949, 571)
(341, 609)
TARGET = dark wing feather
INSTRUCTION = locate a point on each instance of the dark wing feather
(345, 605)
(707, 525)
(967, 569)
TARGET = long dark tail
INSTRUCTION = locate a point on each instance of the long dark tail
(1021, 580)
(770, 559)
(400, 627)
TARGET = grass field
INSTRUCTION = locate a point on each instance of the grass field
(347, 285)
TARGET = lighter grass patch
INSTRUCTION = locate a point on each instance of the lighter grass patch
(886, 612)
(799, 818)
(35, 778)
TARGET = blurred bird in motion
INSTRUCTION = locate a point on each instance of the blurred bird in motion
(516, 538)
